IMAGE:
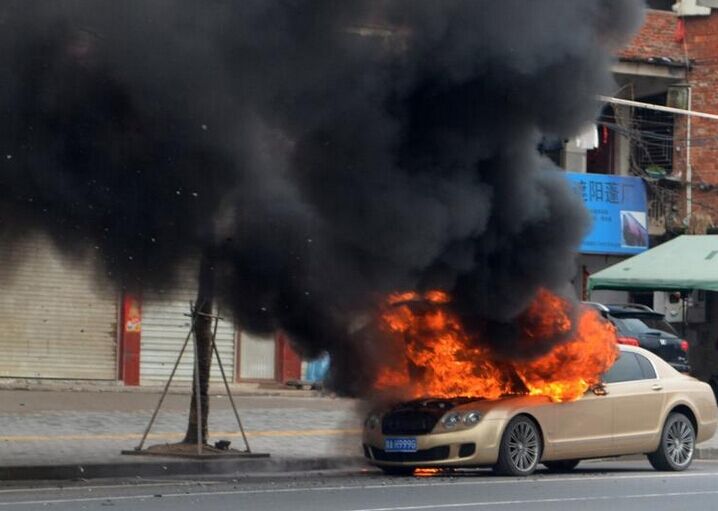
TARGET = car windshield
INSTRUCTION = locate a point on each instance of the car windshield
(645, 324)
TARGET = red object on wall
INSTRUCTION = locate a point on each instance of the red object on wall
(289, 363)
(680, 33)
(130, 336)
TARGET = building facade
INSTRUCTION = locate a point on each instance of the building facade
(671, 62)
(63, 321)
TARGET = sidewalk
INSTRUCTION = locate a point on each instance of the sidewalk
(89, 428)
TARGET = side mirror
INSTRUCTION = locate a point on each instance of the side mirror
(599, 389)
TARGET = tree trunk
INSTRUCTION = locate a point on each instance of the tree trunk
(203, 333)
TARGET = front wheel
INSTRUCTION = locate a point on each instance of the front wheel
(678, 440)
(520, 449)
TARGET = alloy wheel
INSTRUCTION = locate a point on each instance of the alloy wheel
(523, 446)
(679, 442)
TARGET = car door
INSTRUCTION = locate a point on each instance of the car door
(635, 393)
(582, 428)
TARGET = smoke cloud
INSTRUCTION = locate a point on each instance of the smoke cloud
(325, 153)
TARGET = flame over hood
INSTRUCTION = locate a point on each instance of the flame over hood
(436, 357)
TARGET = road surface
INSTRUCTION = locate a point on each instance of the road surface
(615, 485)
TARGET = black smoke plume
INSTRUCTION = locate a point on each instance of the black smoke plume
(325, 152)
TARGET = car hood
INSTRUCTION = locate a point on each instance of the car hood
(440, 406)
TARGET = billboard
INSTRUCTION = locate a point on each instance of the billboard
(618, 207)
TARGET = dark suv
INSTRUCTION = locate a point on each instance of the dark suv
(639, 325)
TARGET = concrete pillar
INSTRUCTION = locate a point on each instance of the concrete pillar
(573, 157)
(622, 143)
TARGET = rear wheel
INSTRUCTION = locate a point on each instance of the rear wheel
(520, 449)
(678, 440)
(397, 471)
(561, 466)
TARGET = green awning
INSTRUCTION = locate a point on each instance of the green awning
(682, 264)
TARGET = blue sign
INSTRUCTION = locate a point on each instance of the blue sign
(617, 205)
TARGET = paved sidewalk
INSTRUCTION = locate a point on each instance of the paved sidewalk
(76, 428)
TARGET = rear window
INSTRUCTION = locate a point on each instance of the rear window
(643, 325)
(646, 367)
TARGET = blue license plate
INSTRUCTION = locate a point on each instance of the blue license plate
(400, 444)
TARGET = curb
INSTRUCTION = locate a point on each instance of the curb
(174, 467)
(706, 453)
(701, 453)
(238, 390)
(209, 467)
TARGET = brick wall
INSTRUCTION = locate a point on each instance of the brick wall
(702, 44)
(659, 37)
(655, 39)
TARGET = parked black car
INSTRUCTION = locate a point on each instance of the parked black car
(639, 325)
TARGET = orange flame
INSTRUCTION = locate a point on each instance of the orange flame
(426, 472)
(439, 359)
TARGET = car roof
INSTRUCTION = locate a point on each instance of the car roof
(625, 309)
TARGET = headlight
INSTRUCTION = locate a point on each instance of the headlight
(451, 420)
(372, 421)
(471, 418)
(460, 420)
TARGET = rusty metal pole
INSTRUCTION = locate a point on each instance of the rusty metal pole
(226, 385)
(198, 400)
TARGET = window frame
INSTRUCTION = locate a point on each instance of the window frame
(657, 377)
(653, 366)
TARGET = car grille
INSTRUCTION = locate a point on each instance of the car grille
(408, 423)
(434, 454)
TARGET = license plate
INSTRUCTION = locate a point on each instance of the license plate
(400, 444)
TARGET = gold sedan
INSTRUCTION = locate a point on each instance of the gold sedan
(643, 406)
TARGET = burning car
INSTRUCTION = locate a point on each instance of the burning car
(641, 405)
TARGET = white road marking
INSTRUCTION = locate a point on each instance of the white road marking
(108, 486)
(541, 501)
(382, 487)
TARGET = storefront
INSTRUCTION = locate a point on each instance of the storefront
(58, 317)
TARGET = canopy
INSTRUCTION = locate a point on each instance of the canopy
(682, 264)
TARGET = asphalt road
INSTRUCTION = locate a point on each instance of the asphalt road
(615, 485)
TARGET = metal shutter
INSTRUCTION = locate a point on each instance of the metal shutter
(257, 359)
(164, 329)
(57, 320)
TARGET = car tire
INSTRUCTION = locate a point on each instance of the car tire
(561, 466)
(397, 471)
(520, 449)
(677, 447)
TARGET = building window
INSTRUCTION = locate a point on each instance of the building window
(661, 5)
(652, 147)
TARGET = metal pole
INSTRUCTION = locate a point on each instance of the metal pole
(198, 397)
(226, 386)
(167, 386)
(689, 167)
(660, 108)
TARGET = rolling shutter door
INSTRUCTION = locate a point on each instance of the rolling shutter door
(164, 329)
(57, 321)
(257, 360)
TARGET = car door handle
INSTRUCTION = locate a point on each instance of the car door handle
(656, 386)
